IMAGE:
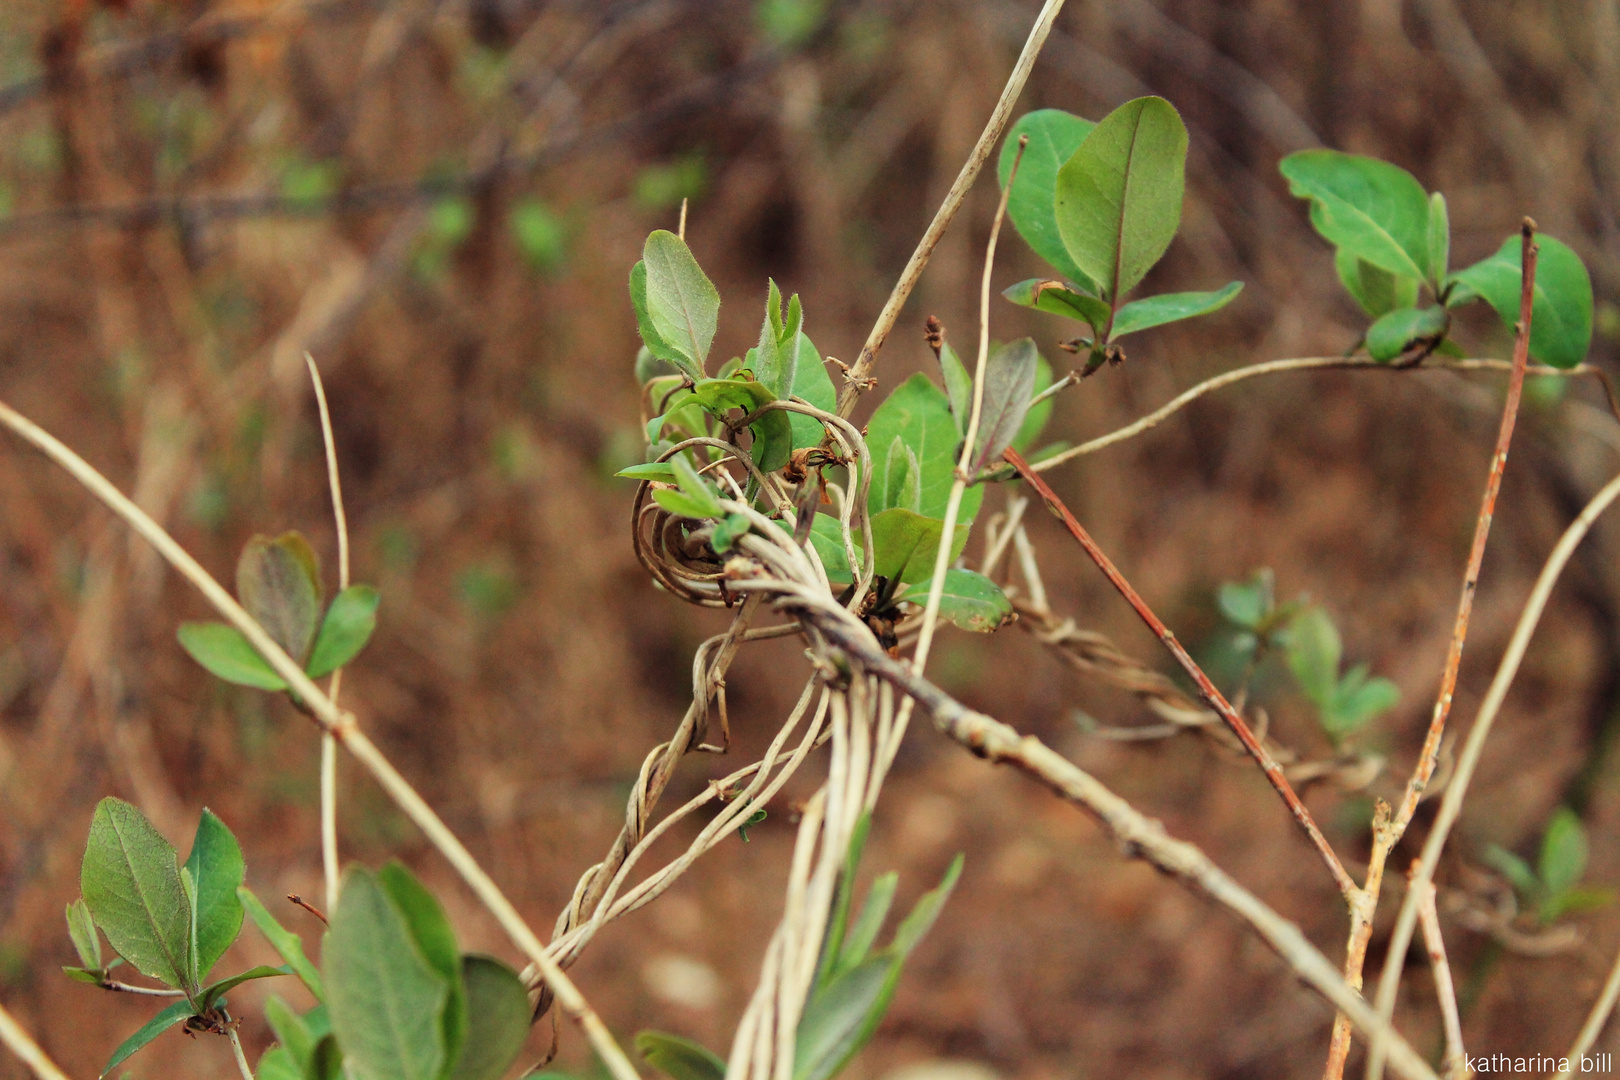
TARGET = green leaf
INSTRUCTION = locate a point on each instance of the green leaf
(776, 357)
(958, 386)
(1040, 412)
(163, 1021)
(1059, 298)
(773, 431)
(1356, 700)
(683, 305)
(682, 505)
(826, 534)
(651, 340)
(82, 929)
(812, 383)
(278, 581)
(226, 654)
(652, 470)
(1009, 383)
(217, 867)
(841, 1016)
(695, 487)
(1563, 852)
(732, 527)
(386, 1000)
(902, 477)
(915, 926)
(1439, 242)
(678, 1058)
(193, 974)
(131, 884)
(1170, 307)
(292, 1031)
(1118, 201)
(1054, 136)
(1247, 604)
(93, 976)
(1574, 902)
(1561, 310)
(919, 413)
(1314, 652)
(1403, 328)
(1377, 290)
(969, 601)
(858, 942)
(285, 942)
(1372, 208)
(215, 991)
(497, 1019)
(905, 544)
(435, 940)
(277, 1063)
(1516, 870)
(347, 627)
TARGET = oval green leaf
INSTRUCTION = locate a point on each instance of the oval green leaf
(1009, 383)
(969, 601)
(1171, 307)
(1054, 136)
(278, 582)
(906, 544)
(1118, 201)
(386, 1001)
(497, 1019)
(131, 884)
(1372, 208)
(919, 414)
(163, 1021)
(678, 1058)
(226, 654)
(1377, 290)
(347, 627)
(1561, 312)
(218, 870)
(683, 306)
(1404, 327)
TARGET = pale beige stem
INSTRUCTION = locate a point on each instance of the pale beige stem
(1593, 1027)
(342, 725)
(1455, 1066)
(329, 842)
(22, 1044)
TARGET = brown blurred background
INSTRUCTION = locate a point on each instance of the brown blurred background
(442, 199)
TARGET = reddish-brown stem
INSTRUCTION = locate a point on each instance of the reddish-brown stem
(1211, 694)
(1387, 834)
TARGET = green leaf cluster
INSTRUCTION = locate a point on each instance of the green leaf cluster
(404, 1002)
(1101, 203)
(1553, 888)
(1392, 242)
(170, 921)
(1345, 701)
(278, 581)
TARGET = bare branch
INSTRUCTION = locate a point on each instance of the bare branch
(22, 1044)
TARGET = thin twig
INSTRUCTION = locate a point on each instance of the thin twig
(129, 988)
(1386, 837)
(1206, 688)
(1454, 1065)
(859, 375)
(1308, 363)
(329, 843)
(341, 724)
(1137, 834)
(242, 1065)
(22, 1044)
(1594, 1020)
(953, 505)
(1384, 840)
(1473, 748)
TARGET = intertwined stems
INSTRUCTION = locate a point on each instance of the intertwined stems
(859, 375)
(1388, 829)
(1455, 1064)
(342, 726)
(329, 844)
(1206, 688)
(1137, 834)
